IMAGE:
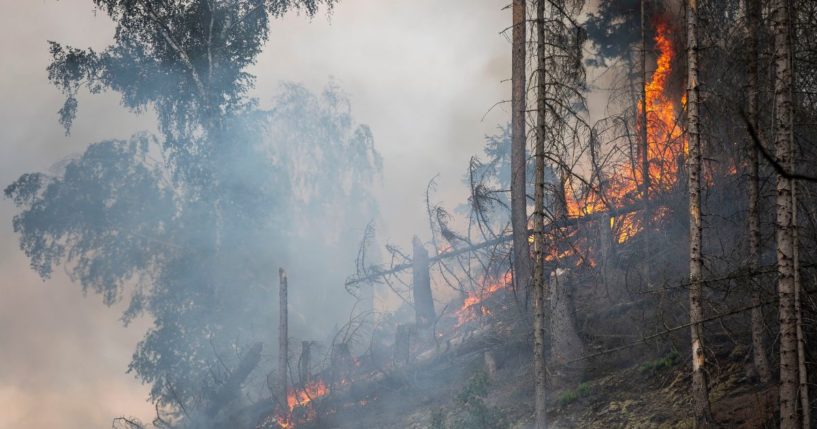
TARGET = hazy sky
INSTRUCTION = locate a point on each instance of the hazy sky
(421, 73)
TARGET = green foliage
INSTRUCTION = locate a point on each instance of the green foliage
(668, 361)
(471, 411)
(194, 223)
(187, 58)
(583, 390)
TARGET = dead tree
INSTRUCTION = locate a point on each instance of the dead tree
(752, 21)
(402, 345)
(566, 346)
(519, 202)
(305, 363)
(784, 234)
(700, 392)
(538, 285)
(341, 363)
(283, 340)
(421, 285)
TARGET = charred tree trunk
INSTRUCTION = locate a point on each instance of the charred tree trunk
(567, 347)
(538, 285)
(700, 392)
(402, 345)
(421, 279)
(305, 363)
(283, 340)
(341, 363)
(519, 215)
(761, 364)
(784, 233)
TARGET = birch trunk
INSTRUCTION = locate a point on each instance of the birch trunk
(519, 216)
(540, 380)
(283, 341)
(784, 234)
(761, 364)
(805, 405)
(700, 393)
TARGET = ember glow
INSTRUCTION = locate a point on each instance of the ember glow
(300, 399)
(666, 146)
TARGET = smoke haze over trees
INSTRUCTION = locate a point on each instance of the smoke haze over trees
(634, 246)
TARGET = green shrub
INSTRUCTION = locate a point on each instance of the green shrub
(471, 411)
(583, 390)
(665, 362)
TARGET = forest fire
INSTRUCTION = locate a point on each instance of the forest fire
(473, 302)
(666, 146)
(300, 398)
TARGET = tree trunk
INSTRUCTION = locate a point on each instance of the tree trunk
(421, 278)
(538, 286)
(519, 215)
(402, 345)
(700, 393)
(566, 346)
(341, 363)
(645, 155)
(305, 363)
(283, 340)
(784, 233)
(761, 364)
(805, 405)
(645, 147)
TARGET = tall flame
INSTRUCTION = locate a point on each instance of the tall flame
(666, 146)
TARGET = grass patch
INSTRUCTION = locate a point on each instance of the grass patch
(583, 390)
(663, 363)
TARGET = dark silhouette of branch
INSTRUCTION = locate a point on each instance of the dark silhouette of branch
(779, 169)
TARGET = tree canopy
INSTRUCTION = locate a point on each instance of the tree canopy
(190, 225)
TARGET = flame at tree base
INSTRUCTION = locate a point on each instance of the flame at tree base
(300, 400)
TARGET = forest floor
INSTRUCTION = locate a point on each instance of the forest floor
(457, 393)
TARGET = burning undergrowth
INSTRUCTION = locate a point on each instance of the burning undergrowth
(607, 286)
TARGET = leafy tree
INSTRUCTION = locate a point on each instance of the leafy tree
(191, 223)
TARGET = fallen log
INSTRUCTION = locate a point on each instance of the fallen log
(374, 273)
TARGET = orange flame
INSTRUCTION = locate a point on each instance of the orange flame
(474, 300)
(302, 397)
(666, 145)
